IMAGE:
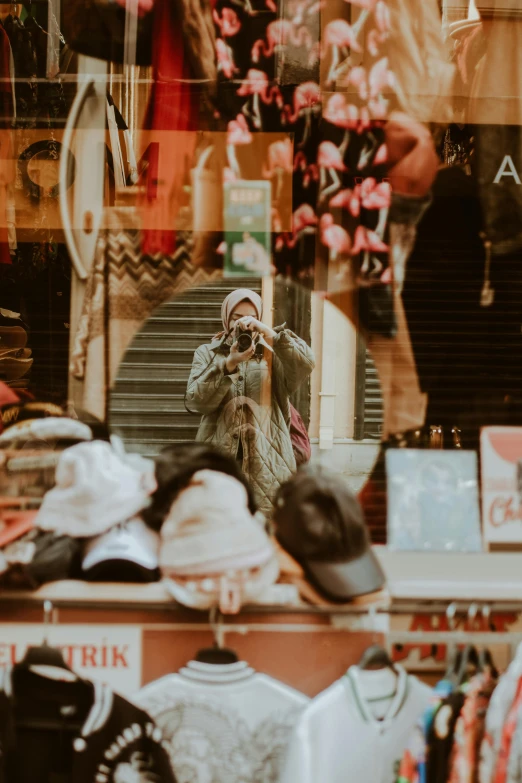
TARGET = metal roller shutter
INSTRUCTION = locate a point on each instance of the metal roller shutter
(369, 412)
(147, 403)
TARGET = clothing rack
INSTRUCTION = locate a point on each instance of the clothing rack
(320, 643)
(220, 626)
(115, 597)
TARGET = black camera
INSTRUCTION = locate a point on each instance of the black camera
(244, 339)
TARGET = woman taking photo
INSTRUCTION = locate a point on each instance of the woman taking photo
(241, 383)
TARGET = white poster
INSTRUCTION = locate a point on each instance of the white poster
(110, 654)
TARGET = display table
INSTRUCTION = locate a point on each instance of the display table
(419, 576)
(434, 576)
(433, 599)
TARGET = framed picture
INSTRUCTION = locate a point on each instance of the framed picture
(433, 501)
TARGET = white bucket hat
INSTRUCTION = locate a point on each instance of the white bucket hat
(95, 489)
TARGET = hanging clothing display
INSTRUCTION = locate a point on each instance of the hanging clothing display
(171, 108)
(413, 763)
(441, 737)
(514, 767)
(470, 729)
(184, 77)
(26, 70)
(338, 737)
(116, 742)
(225, 723)
(506, 738)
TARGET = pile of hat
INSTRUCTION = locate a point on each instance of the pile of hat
(215, 550)
(32, 437)
(15, 357)
(189, 518)
(53, 477)
(98, 496)
(86, 525)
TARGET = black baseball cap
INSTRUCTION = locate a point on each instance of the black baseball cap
(320, 522)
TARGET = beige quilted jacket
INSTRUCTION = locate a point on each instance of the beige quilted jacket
(251, 408)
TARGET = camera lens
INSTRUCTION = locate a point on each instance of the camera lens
(244, 342)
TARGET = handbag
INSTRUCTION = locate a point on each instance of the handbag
(97, 28)
(300, 439)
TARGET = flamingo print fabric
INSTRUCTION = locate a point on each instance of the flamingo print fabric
(318, 71)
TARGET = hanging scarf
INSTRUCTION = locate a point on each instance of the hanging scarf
(170, 109)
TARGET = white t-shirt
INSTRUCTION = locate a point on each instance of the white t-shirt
(223, 723)
(338, 739)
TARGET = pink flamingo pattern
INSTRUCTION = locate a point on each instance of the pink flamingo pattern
(280, 158)
(228, 22)
(238, 131)
(256, 88)
(369, 195)
(334, 113)
(225, 59)
(304, 219)
(279, 163)
(306, 102)
(336, 238)
(280, 34)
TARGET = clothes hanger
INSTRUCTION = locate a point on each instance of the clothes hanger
(45, 654)
(63, 705)
(487, 664)
(216, 655)
(470, 660)
(453, 666)
(381, 688)
(376, 657)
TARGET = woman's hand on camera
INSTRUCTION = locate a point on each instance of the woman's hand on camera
(251, 324)
(235, 357)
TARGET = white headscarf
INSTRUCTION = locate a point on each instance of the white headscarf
(233, 299)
